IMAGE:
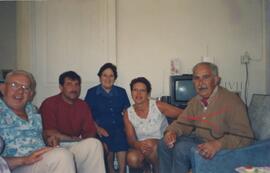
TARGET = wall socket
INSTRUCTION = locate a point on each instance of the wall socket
(245, 58)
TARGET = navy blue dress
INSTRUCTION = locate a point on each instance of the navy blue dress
(107, 110)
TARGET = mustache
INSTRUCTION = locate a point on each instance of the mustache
(202, 88)
(73, 92)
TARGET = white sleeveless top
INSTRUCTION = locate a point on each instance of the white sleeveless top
(152, 127)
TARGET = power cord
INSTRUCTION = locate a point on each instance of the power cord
(246, 86)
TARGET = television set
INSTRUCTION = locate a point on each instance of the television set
(181, 90)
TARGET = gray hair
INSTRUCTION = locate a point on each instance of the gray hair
(213, 67)
(33, 83)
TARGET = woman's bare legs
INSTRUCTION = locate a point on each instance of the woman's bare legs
(110, 159)
(121, 158)
(136, 159)
(152, 158)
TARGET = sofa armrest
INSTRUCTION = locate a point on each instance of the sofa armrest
(225, 161)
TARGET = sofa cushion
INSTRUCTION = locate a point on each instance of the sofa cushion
(259, 115)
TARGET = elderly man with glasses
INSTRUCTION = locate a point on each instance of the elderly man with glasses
(21, 129)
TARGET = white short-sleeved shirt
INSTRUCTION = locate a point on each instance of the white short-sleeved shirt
(152, 127)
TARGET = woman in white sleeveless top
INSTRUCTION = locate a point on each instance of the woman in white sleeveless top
(145, 122)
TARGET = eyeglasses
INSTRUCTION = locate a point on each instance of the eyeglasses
(16, 86)
(139, 90)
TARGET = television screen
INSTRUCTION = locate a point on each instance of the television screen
(181, 90)
(184, 90)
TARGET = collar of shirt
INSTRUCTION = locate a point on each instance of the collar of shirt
(66, 103)
(30, 110)
(205, 102)
(100, 91)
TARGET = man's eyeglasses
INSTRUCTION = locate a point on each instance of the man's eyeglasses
(16, 86)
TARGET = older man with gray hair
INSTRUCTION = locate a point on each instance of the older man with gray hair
(21, 129)
(215, 119)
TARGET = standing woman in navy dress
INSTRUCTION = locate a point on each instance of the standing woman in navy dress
(107, 103)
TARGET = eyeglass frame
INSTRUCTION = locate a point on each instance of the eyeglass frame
(16, 86)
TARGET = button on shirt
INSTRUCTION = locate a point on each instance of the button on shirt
(21, 137)
(107, 108)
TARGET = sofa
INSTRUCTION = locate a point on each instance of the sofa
(256, 154)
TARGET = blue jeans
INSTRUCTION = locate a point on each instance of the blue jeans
(178, 158)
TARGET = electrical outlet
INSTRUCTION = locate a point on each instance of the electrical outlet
(245, 58)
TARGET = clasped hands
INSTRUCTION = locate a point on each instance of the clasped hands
(145, 146)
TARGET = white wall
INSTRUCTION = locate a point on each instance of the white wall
(24, 34)
(150, 33)
(57, 36)
(7, 35)
(267, 72)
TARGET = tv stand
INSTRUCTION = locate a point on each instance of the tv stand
(182, 106)
(167, 99)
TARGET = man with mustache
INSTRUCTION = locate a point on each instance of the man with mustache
(215, 119)
(67, 122)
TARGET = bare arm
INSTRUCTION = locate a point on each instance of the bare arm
(169, 110)
(1, 88)
(145, 146)
(14, 162)
(130, 132)
(101, 131)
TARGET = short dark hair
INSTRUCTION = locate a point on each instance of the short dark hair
(69, 74)
(108, 65)
(141, 80)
